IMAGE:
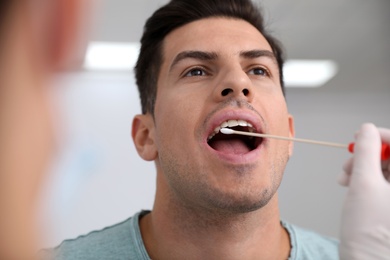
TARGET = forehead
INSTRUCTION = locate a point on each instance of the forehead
(221, 35)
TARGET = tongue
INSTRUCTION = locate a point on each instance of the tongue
(231, 146)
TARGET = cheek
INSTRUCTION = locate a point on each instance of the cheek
(174, 121)
(178, 106)
(276, 115)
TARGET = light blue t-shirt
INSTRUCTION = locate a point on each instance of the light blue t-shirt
(123, 241)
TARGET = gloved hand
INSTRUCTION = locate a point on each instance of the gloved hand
(365, 223)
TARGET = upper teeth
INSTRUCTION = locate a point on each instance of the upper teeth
(231, 123)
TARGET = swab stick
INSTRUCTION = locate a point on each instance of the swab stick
(385, 152)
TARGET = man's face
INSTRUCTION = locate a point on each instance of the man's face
(216, 70)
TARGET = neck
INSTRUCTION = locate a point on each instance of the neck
(174, 231)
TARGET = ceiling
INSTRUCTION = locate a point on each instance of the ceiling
(354, 33)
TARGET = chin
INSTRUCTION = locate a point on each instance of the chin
(239, 203)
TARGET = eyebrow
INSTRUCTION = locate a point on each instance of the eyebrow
(207, 56)
(253, 54)
(198, 55)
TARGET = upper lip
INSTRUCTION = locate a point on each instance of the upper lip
(225, 115)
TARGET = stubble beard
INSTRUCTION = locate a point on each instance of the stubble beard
(191, 192)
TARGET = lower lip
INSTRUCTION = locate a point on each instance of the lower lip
(246, 158)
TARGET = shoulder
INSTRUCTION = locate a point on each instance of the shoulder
(119, 241)
(307, 244)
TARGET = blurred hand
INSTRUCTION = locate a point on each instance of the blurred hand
(37, 39)
(365, 224)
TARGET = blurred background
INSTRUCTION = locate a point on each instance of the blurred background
(97, 177)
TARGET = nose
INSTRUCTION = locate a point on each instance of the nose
(234, 83)
(227, 91)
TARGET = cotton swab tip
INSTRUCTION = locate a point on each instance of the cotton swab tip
(226, 131)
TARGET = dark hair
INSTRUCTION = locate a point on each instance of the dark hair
(176, 14)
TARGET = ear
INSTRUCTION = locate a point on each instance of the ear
(291, 133)
(143, 136)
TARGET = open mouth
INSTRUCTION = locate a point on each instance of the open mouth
(234, 144)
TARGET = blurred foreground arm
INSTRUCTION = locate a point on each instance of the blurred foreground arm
(36, 39)
(365, 226)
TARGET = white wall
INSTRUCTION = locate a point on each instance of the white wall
(98, 178)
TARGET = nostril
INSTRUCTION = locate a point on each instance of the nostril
(245, 92)
(226, 91)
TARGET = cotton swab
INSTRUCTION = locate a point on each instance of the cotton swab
(385, 153)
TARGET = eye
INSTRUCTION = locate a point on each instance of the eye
(195, 72)
(259, 72)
